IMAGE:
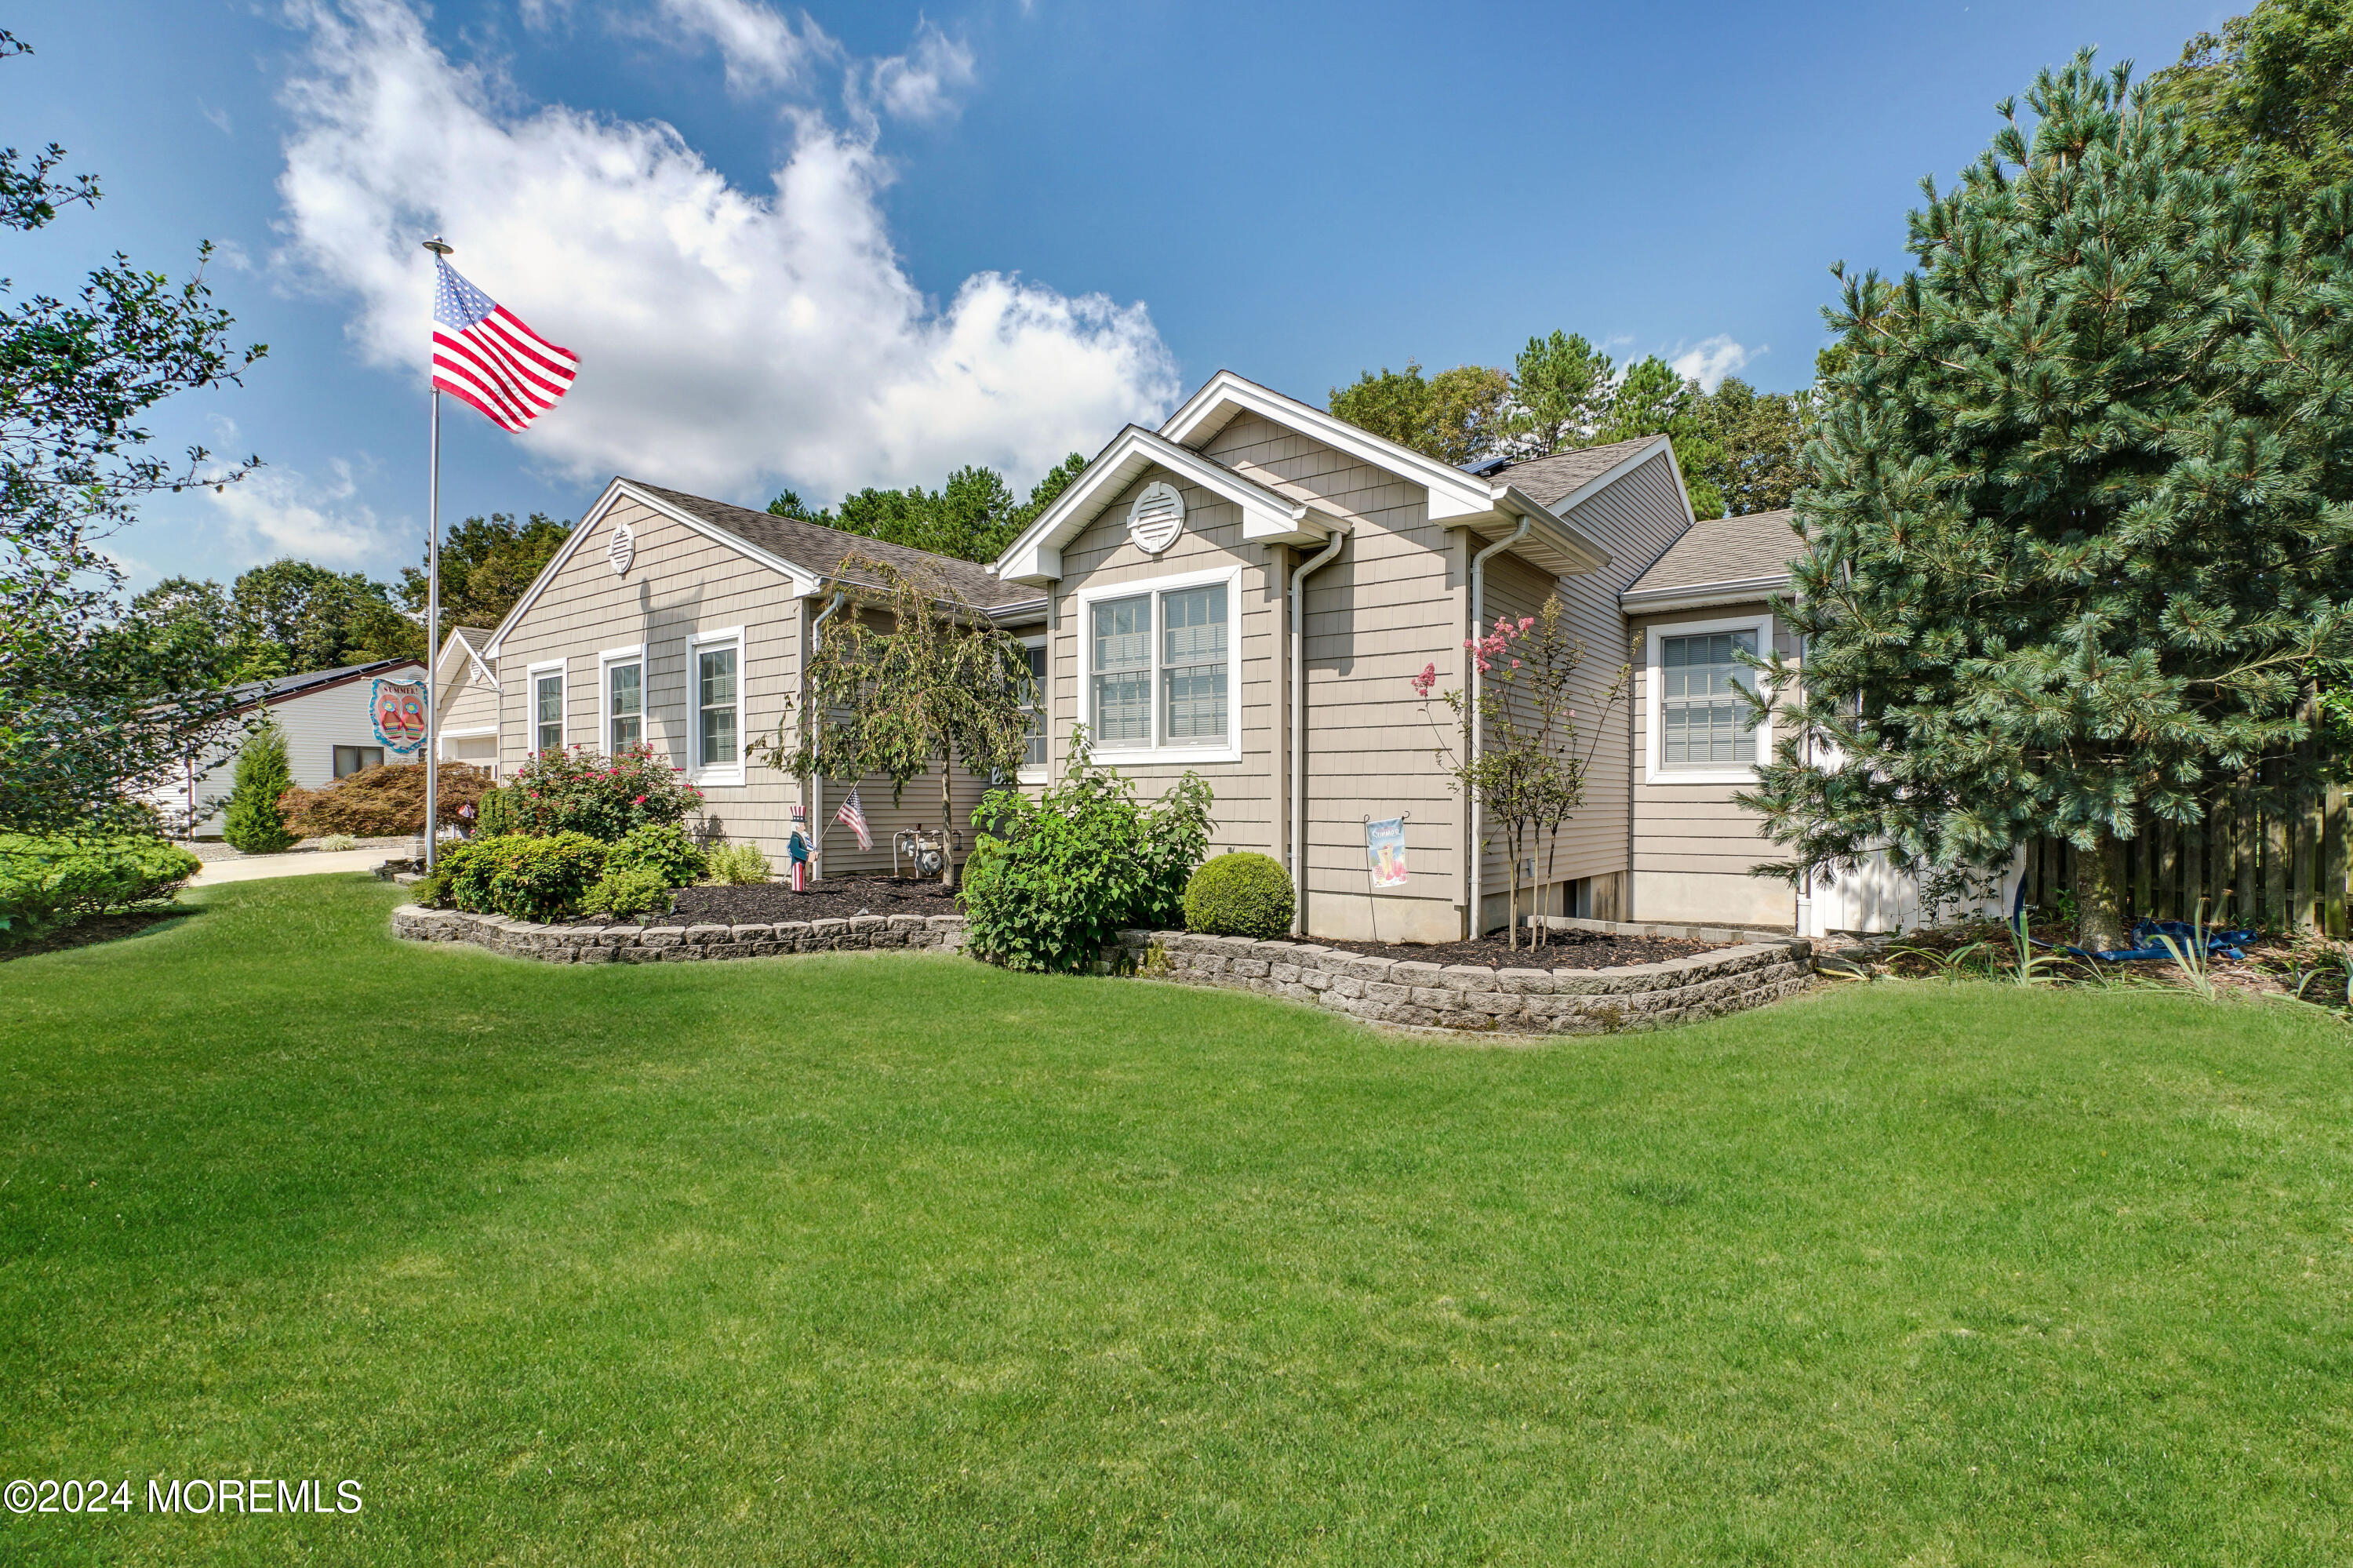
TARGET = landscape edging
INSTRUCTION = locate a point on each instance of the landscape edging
(1377, 990)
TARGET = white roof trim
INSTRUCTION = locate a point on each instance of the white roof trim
(1620, 469)
(1036, 555)
(1701, 595)
(804, 581)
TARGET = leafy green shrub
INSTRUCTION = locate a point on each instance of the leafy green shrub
(667, 852)
(741, 864)
(1052, 879)
(583, 791)
(255, 823)
(432, 892)
(522, 876)
(47, 882)
(495, 812)
(624, 894)
(1239, 896)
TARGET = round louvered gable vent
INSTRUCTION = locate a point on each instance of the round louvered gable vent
(1156, 518)
(621, 549)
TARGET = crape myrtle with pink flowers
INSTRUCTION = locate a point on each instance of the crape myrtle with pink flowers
(1528, 770)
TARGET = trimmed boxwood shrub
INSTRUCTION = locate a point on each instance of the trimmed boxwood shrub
(47, 882)
(521, 876)
(1052, 879)
(664, 851)
(1239, 894)
(623, 893)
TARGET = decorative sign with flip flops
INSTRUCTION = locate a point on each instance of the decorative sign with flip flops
(398, 709)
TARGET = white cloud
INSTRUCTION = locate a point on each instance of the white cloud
(1712, 360)
(729, 339)
(760, 47)
(278, 511)
(922, 83)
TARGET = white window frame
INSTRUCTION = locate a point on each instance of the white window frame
(531, 679)
(1159, 752)
(605, 660)
(1654, 685)
(1028, 774)
(700, 643)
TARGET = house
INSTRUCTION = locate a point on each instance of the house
(465, 693)
(1245, 592)
(330, 730)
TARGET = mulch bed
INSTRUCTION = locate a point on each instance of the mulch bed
(1566, 950)
(767, 902)
(98, 929)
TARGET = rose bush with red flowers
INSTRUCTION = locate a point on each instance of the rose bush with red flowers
(585, 791)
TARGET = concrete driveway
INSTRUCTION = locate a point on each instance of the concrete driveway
(310, 863)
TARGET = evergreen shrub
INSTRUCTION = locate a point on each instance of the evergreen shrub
(46, 882)
(741, 864)
(254, 823)
(664, 851)
(1239, 896)
(1054, 879)
(626, 894)
(522, 876)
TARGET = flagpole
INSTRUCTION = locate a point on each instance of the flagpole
(433, 616)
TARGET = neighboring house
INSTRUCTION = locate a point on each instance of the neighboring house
(330, 733)
(1246, 593)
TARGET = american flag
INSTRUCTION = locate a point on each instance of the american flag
(853, 817)
(483, 353)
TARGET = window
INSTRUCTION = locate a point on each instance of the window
(624, 707)
(1034, 758)
(350, 759)
(714, 686)
(1703, 721)
(1160, 668)
(547, 710)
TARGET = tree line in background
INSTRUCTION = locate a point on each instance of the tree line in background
(1738, 447)
(973, 517)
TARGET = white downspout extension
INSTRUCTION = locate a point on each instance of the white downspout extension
(817, 780)
(1478, 734)
(1299, 728)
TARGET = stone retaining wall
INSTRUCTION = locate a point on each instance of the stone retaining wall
(1380, 990)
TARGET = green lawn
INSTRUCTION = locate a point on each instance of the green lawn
(899, 1259)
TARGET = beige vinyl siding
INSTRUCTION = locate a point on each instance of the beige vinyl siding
(1694, 844)
(467, 703)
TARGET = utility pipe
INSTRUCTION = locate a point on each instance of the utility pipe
(1478, 728)
(817, 778)
(1299, 728)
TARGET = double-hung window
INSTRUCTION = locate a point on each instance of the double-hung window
(1033, 756)
(625, 704)
(1704, 721)
(547, 710)
(1160, 668)
(350, 759)
(717, 702)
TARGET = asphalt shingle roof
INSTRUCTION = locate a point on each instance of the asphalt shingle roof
(1725, 549)
(820, 550)
(1545, 480)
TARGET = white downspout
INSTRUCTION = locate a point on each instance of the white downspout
(1299, 728)
(817, 780)
(1477, 730)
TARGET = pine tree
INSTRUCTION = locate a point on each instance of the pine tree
(254, 823)
(2077, 539)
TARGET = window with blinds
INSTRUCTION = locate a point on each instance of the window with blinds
(1703, 722)
(1034, 754)
(715, 708)
(1160, 668)
(624, 707)
(547, 697)
(1121, 638)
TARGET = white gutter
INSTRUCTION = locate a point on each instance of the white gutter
(1478, 628)
(817, 780)
(1299, 729)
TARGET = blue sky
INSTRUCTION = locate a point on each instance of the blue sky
(864, 243)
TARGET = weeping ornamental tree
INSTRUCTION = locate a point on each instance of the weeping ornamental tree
(2077, 524)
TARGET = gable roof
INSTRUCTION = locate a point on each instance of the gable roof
(1722, 559)
(1551, 480)
(281, 688)
(1489, 509)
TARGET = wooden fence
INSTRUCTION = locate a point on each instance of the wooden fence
(2270, 870)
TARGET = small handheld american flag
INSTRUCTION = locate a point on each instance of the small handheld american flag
(483, 353)
(853, 817)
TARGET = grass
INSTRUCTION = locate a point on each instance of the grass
(899, 1259)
